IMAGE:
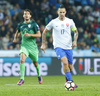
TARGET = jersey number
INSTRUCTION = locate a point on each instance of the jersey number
(62, 31)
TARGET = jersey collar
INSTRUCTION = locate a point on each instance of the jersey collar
(28, 22)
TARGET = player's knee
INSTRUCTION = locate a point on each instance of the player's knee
(35, 63)
(70, 70)
(22, 61)
(65, 64)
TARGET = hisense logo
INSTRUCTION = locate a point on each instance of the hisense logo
(13, 69)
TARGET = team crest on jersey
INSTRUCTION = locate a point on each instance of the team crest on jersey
(67, 25)
(62, 25)
(29, 25)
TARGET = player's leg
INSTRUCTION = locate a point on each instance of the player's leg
(71, 68)
(23, 54)
(38, 71)
(37, 67)
(61, 54)
(66, 68)
(22, 68)
(22, 65)
(69, 55)
(33, 54)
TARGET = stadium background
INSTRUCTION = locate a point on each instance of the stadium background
(86, 15)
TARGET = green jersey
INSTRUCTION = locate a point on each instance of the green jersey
(31, 28)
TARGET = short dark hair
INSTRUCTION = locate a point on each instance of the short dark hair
(30, 13)
(62, 6)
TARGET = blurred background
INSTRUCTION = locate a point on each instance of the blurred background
(86, 15)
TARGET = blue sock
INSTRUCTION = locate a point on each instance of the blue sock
(68, 75)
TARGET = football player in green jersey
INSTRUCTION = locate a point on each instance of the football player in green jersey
(29, 30)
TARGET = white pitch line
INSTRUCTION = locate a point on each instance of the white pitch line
(10, 84)
(32, 85)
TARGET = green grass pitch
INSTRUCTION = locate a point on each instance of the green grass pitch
(52, 86)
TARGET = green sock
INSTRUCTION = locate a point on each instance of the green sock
(22, 70)
(38, 70)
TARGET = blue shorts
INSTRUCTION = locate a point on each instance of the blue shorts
(64, 52)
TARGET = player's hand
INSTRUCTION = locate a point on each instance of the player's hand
(14, 41)
(26, 34)
(43, 47)
(74, 44)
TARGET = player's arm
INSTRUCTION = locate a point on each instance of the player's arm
(75, 37)
(38, 34)
(73, 28)
(43, 46)
(15, 37)
(48, 27)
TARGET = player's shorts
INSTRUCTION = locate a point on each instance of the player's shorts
(32, 53)
(64, 52)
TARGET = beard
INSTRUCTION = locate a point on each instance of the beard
(26, 19)
(62, 17)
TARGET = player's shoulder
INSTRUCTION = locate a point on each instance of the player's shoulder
(56, 19)
(68, 19)
(20, 23)
(33, 22)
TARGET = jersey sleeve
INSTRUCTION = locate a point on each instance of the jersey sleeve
(18, 27)
(50, 25)
(73, 27)
(36, 28)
